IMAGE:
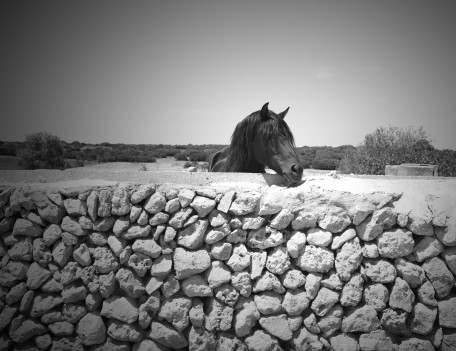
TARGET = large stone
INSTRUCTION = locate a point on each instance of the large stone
(278, 261)
(176, 311)
(427, 247)
(240, 258)
(401, 297)
(343, 342)
(426, 294)
(124, 332)
(202, 205)
(440, 276)
(293, 279)
(379, 270)
(295, 243)
(261, 341)
(245, 317)
(136, 231)
(412, 273)
(277, 326)
(130, 283)
(331, 321)
(156, 203)
(375, 341)
(192, 237)
(348, 258)
(27, 228)
(218, 315)
(143, 191)
(315, 259)
(264, 238)
(447, 312)
(121, 308)
(324, 301)
(414, 344)
(187, 263)
(295, 302)
(104, 260)
(268, 302)
(241, 282)
(268, 281)
(282, 219)
(147, 247)
(395, 322)
(352, 291)
(196, 285)
(374, 224)
(360, 319)
(423, 319)
(26, 330)
(303, 339)
(201, 340)
(91, 329)
(376, 295)
(449, 255)
(37, 276)
(319, 237)
(218, 274)
(245, 203)
(395, 243)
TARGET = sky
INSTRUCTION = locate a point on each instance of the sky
(186, 72)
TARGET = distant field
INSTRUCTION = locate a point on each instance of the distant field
(162, 164)
(9, 162)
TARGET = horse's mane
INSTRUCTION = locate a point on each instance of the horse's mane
(240, 150)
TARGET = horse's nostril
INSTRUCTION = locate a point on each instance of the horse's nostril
(294, 169)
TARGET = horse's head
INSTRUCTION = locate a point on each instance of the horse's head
(273, 146)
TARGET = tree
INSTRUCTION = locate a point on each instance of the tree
(393, 146)
(42, 151)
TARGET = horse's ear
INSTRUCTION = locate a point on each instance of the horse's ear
(284, 113)
(264, 111)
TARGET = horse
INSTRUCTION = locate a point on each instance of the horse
(261, 139)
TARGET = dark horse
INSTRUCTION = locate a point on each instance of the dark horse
(262, 139)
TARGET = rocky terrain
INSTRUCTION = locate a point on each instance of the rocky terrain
(159, 267)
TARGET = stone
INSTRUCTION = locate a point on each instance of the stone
(395, 322)
(51, 234)
(268, 281)
(440, 276)
(447, 235)
(447, 312)
(82, 255)
(15, 294)
(245, 317)
(339, 240)
(218, 274)
(315, 259)
(121, 308)
(319, 237)
(192, 237)
(258, 262)
(370, 249)
(242, 283)
(412, 273)
(449, 340)
(170, 286)
(449, 255)
(375, 341)
(376, 295)
(218, 316)
(264, 238)
(379, 270)
(72, 226)
(313, 281)
(295, 302)
(201, 340)
(61, 328)
(245, 203)
(268, 302)
(136, 231)
(178, 219)
(331, 321)
(304, 220)
(310, 320)
(196, 313)
(188, 263)
(227, 294)
(140, 263)
(348, 258)
(332, 281)
(414, 344)
(395, 243)
(26, 330)
(120, 201)
(252, 222)
(423, 318)
(147, 247)
(282, 219)
(202, 205)
(104, 260)
(217, 234)
(158, 219)
(277, 326)
(130, 283)
(124, 332)
(23, 249)
(261, 341)
(75, 207)
(196, 285)
(352, 291)
(175, 310)
(324, 301)
(27, 228)
(167, 336)
(237, 236)
(306, 340)
(226, 201)
(360, 319)
(401, 297)
(173, 205)
(426, 294)
(344, 342)
(229, 342)
(427, 247)
(185, 196)
(374, 224)
(293, 279)
(222, 251)
(6, 316)
(155, 203)
(61, 253)
(278, 261)
(295, 243)
(240, 258)
(143, 192)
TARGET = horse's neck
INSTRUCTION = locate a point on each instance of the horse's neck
(254, 167)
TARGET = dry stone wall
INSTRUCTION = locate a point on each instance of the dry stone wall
(148, 267)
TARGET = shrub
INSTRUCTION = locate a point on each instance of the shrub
(391, 146)
(42, 151)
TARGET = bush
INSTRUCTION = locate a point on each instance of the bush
(391, 146)
(42, 151)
